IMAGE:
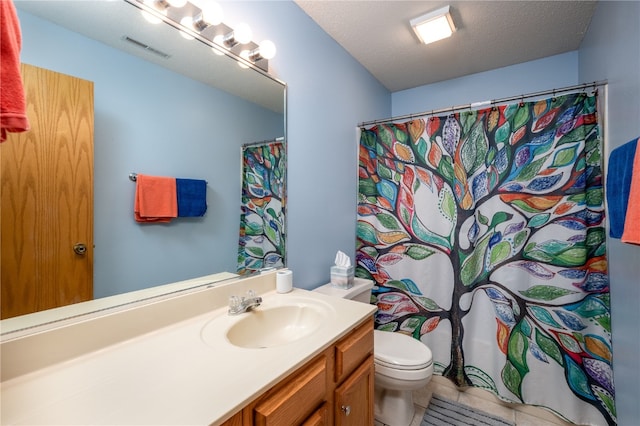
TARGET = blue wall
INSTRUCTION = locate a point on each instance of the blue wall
(328, 93)
(534, 76)
(611, 51)
(151, 120)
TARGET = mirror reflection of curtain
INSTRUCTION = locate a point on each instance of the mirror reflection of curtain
(262, 212)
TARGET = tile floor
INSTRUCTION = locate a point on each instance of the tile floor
(522, 415)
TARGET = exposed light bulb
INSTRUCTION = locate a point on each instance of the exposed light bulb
(212, 13)
(187, 21)
(242, 33)
(267, 49)
(177, 3)
(219, 40)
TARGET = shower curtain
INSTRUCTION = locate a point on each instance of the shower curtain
(484, 232)
(262, 213)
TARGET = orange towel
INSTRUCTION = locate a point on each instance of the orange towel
(631, 232)
(13, 111)
(156, 199)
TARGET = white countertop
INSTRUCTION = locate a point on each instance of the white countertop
(169, 375)
(56, 315)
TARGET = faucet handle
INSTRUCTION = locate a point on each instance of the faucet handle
(251, 294)
(234, 302)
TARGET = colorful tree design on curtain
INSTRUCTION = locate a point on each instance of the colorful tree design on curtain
(262, 217)
(511, 197)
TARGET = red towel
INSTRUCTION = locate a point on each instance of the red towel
(156, 199)
(631, 232)
(13, 111)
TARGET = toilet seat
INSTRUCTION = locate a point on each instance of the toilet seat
(400, 352)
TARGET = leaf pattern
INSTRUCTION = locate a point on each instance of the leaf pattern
(262, 218)
(503, 204)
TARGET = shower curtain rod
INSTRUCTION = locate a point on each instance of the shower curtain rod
(262, 142)
(475, 105)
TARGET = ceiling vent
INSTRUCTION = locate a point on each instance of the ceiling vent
(146, 47)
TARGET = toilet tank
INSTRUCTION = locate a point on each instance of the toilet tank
(360, 292)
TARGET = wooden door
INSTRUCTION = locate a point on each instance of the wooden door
(46, 197)
(354, 398)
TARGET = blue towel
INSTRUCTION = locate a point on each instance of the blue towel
(618, 186)
(192, 197)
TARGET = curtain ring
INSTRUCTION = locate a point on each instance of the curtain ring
(521, 104)
(553, 98)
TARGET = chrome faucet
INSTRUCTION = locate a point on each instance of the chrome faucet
(239, 305)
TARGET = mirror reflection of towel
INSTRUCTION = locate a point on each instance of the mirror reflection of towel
(192, 197)
(156, 199)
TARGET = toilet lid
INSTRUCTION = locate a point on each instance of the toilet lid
(400, 351)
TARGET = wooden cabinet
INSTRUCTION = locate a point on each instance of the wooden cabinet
(236, 420)
(296, 399)
(334, 388)
(320, 417)
(354, 398)
(352, 350)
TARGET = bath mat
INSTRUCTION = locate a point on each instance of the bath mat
(442, 411)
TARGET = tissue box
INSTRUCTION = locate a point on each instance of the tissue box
(341, 276)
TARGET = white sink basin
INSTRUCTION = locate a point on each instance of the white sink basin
(274, 323)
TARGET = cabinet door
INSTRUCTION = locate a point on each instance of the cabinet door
(352, 350)
(354, 398)
(293, 402)
(320, 417)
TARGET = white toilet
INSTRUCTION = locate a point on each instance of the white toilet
(402, 363)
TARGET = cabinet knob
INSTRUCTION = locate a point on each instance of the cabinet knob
(346, 409)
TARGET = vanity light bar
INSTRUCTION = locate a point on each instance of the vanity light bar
(209, 30)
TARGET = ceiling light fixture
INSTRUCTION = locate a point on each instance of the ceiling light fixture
(198, 22)
(186, 22)
(266, 50)
(240, 35)
(210, 15)
(177, 3)
(433, 26)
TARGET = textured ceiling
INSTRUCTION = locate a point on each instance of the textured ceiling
(490, 35)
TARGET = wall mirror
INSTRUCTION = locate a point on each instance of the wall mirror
(163, 105)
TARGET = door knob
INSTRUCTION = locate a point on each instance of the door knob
(80, 249)
(346, 409)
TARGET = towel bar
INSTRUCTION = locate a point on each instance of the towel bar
(134, 176)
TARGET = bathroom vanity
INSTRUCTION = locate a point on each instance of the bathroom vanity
(334, 388)
(184, 360)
